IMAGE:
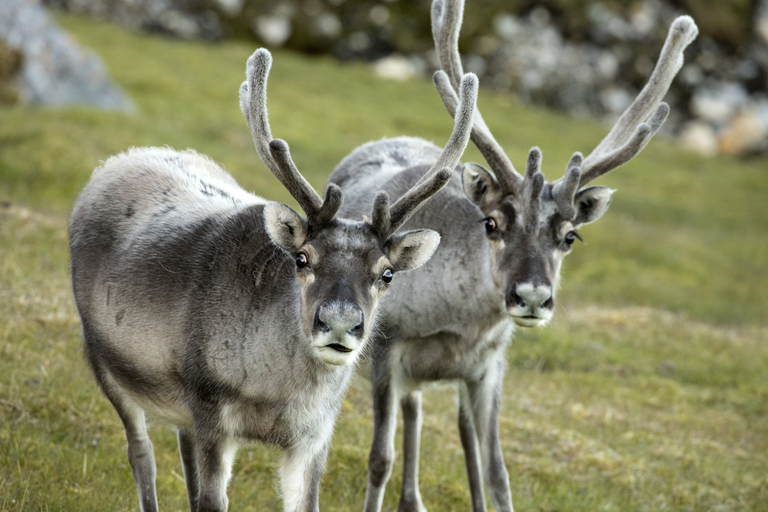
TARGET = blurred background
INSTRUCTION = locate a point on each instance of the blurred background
(584, 58)
(649, 390)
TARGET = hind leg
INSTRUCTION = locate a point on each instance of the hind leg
(140, 453)
(189, 463)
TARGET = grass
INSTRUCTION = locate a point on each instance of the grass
(648, 392)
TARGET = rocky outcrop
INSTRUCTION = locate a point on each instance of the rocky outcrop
(585, 58)
(52, 69)
(185, 19)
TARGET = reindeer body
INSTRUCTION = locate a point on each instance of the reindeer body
(449, 323)
(195, 319)
(449, 328)
(504, 237)
(229, 316)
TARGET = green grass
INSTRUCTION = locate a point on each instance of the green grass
(648, 392)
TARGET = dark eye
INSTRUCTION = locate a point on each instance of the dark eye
(386, 276)
(571, 237)
(301, 260)
(490, 225)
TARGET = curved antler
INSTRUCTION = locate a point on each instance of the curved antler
(647, 113)
(446, 23)
(387, 219)
(275, 152)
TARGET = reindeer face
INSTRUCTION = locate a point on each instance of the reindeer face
(343, 268)
(528, 238)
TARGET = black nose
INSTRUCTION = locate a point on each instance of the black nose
(358, 329)
(539, 296)
(513, 299)
(339, 317)
(319, 325)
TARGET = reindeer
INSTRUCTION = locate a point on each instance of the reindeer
(235, 318)
(504, 237)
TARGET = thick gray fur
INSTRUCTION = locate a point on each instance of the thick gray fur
(504, 237)
(234, 318)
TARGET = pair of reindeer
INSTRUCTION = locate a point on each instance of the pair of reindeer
(236, 318)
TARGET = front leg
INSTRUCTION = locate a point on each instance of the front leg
(189, 463)
(410, 498)
(471, 448)
(301, 472)
(382, 456)
(485, 398)
(214, 455)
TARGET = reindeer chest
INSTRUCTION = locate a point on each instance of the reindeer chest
(287, 415)
(448, 355)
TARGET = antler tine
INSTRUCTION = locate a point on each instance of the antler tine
(630, 134)
(380, 219)
(565, 190)
(533, 184)
(412, 200)
(385, 219)
(462, 126)
(274, 152)
(620, 156)
(446, 23)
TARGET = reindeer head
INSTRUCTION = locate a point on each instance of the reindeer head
(343, 267)
(531, 224)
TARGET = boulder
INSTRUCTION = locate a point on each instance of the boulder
(54, 69)
(698, 137)
(185, 19)
(744, 134)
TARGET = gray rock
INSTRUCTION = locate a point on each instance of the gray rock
(744, 134)
(327, 25)
(231, 7)
(185, 19)
(761, 21)
(55, 70)
(273, 29)
(396, 67)
(698, 137)
(718, 101)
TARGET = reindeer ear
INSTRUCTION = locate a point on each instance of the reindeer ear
(591, 203)
(479, 184)
(285, 227)
(412, 249)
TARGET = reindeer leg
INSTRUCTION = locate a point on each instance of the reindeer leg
(382, 454)
(189, 463)
(301, 472)
(471, 450)
(485, 396)
(214, 455)
(140, 453)
(410, 499)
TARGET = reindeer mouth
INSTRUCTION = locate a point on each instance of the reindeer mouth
(528, 320)
(339, 347)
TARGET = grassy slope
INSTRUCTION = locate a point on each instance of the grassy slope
(647, 393)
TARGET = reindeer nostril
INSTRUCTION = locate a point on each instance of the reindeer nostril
(518, 300)
(319, 324)
(548, 303)
(357, 330)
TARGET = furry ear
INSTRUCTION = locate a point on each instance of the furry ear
(285, 227)
(591, 203)
(479, 184)
(412, 249)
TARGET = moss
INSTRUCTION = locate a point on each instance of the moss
(10, 64)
